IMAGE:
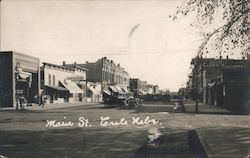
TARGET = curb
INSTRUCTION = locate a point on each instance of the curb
(198, 145)
(58, 106)
(204, 143)
(47, 107)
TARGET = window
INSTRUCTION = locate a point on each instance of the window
(49, 79)
(54, 80)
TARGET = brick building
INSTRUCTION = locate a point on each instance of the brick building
(221, 82)
(142, 87)
(106, 72)
(138, 86)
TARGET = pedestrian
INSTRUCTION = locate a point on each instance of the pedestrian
(41, 101)
(180, 102)
(21, 101)
(179, 106)
(17, 103)
(36, 99)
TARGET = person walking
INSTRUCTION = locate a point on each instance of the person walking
(41, 101)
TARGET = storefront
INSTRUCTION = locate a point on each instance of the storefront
(19, 79)
(63, 83)
(75, 92)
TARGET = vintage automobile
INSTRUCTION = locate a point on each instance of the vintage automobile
(113, 96)
(117, 96)
(131, 103)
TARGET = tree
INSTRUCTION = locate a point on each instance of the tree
(224, 25)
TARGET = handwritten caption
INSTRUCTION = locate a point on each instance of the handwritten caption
(104, 121)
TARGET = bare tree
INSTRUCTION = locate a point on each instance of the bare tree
(224, 25)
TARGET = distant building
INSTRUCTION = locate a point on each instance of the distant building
(138, 86)
(150, 89)
(221, 82)
(19, 79)
(63, 83)
(94, 92)
(106, 72)
(142, 87)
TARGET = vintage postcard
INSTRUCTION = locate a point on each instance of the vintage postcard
(124, 78)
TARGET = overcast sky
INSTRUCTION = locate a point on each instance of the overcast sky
(137, 34)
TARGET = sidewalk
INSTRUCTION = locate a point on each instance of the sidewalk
(225, 142)
(49, 106)
(219, 142)
(206, 109)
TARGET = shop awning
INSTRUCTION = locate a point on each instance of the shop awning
(71, 86)
(113, 89)
(142, 92)
(107, 92)
(57, 88)
(23, 74)
(120, 91)
(93, 90)
(125, 89)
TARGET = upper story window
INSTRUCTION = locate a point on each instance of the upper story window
(49, 79)
(54, 80)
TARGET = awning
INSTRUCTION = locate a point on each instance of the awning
(120, 91)
(107, 92)
(93, 90)
(125, 89)
(211, 84)
(71, 86)
(23, 74)
(113, 89)
(142, 92)
(57, 88)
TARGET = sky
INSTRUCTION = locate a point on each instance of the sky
(138, 34)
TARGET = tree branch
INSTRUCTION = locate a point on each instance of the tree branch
(230, 23)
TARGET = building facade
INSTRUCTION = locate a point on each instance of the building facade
(142, 87)
(106, 72)
(94, 92)
(19, 79)
(221, 82)
(138, 86)
(63, 83)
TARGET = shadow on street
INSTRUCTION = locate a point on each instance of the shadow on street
(70, 143)
(169, 107)
(171, 145)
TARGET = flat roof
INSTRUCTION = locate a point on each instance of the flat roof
(59, 66)
(75, 66)
(21, 54)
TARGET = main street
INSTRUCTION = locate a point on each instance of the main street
(85, 130)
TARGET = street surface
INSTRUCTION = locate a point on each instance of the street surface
(90, 130)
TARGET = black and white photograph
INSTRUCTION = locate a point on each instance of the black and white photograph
(124, 78)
